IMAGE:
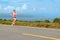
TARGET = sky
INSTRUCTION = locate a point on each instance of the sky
(32, 8)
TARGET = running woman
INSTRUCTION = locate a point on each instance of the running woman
(14, 17)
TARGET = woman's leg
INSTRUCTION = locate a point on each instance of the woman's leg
(14, 20)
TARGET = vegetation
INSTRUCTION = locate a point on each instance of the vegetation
(46, 23)
(56, 20)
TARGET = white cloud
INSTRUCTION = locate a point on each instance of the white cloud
(18, 8)
(34, 9)
(21, 8)
(24, 7)
(11, 0)
(0, 7)
(9, 8)
(43, 9)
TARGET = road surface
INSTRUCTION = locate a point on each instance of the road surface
(28, 33)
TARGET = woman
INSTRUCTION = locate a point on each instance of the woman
(14, 17)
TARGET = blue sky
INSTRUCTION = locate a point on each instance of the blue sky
(36, 8)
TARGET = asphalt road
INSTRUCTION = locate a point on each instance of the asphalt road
(28, 33)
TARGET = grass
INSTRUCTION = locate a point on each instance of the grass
(32, 23)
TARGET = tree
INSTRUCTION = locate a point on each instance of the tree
(4, 19)
(0, 19)
(56, 20)
(47, 21)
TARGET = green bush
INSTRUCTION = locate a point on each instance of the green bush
(56, 20)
